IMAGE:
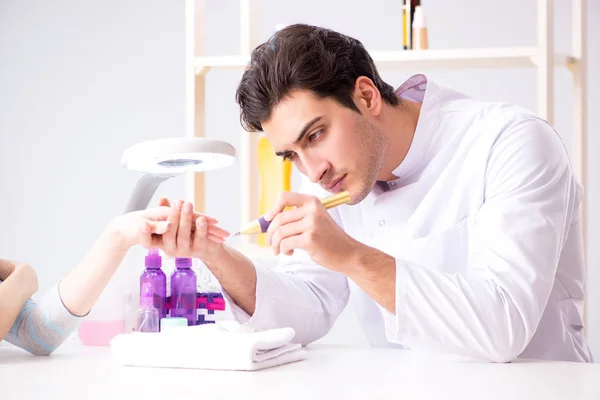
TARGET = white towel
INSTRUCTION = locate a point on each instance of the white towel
(225, 345)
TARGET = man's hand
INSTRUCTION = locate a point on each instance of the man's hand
(308, 226)
(199, 237)
(191, 234)
(154, 227)
(23, 273)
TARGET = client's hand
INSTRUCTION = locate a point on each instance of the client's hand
(190, 234)
(21, 272)
(142, 227)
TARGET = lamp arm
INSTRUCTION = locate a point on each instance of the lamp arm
(143, 191)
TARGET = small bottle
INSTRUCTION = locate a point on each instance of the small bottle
(419, 30)
(157, 281)
(167, 324)
(183, 291)
(130, 314)
(147, 314)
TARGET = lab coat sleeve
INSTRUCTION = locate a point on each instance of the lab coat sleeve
(297, 293)
(492, 312)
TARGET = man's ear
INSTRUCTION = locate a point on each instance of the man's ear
(367, 96)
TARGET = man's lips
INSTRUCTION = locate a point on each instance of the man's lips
(335, 183)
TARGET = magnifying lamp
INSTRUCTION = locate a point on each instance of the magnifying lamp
(162, 159)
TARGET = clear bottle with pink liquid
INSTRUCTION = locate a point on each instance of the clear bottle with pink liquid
(107, 317)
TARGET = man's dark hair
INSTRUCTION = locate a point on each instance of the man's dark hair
(304, 57)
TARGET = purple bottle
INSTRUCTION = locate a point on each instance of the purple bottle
(156, 279)
(183, 291)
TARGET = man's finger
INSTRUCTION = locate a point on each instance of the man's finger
(285, 217)
(217, 239)
(185, 227)
(201, 235)
(170, 237)
(162, 212)
(288, 199)
(285, 232)
(209, 219)
(217, 231)
(289, 244)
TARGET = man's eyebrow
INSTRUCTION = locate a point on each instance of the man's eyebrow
(306, 128)
(303, 132)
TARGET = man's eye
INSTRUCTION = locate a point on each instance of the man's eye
(289, 156)
(314, 136)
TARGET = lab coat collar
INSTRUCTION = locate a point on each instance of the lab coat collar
(427, 92)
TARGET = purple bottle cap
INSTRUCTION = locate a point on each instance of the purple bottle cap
(183, 262)
(153, 259)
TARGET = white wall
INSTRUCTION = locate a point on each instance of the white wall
(79, 82)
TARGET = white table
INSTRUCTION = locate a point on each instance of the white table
(335, 373)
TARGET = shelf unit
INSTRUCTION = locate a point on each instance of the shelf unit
(500, 57)
(542, 57)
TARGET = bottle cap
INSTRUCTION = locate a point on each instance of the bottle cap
(172, 323)
(153, 259)
(419, 18)
(182, 262)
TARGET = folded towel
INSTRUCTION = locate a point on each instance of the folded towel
(225, 345)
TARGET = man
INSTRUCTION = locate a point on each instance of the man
(463, 235)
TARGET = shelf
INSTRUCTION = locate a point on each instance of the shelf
(235, 62)
(512, 57)
(420, 59)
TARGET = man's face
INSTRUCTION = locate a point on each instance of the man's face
(332, 145)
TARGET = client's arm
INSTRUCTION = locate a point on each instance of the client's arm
(41, 328)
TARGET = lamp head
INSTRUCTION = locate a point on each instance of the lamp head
(162, 159)
(172, 156)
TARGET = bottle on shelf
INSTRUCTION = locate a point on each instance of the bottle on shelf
(419, 30)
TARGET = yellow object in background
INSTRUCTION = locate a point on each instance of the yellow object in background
(275, 177)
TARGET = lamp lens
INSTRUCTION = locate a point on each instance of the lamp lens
(181, 162)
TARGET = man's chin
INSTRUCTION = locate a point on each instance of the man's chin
(356, 196)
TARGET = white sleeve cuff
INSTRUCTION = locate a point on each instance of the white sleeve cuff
(264, 280)
(395, 325)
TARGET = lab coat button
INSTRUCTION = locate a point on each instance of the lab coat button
(381, 222)
(393, 184)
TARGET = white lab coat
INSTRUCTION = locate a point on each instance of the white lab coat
(484, 224)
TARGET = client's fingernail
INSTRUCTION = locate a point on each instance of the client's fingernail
(187, 208)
